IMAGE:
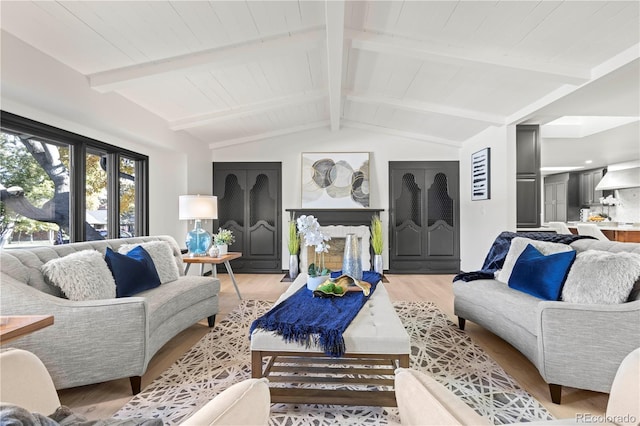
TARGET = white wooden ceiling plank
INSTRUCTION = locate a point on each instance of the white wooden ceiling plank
(373, 127)
(335, 45)
(269, 17)
(240, 82)
(267, 135)
(288, 73)
(565, 24)
(236, 19)
(312, 13)
(129, 26)
(383, 15)
(202, 20)
(52, 29)
(316, 64)
(213, 86)
(355, 14)
(207, 59)
(423, 18)
(404, 47)
(505, 23)
(609, 26)
(422, 107)
(267, 105)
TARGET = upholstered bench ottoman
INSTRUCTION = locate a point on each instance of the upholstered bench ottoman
(376, 343)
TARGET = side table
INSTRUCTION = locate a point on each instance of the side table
(12, 327)
(214, 261)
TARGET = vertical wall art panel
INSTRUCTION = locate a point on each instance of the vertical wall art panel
(480, 178)
(335, 180)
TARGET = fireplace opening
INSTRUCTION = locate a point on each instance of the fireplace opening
(333, 259)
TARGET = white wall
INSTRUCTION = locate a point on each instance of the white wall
(40, 88)
(383, 148)
(481, 221)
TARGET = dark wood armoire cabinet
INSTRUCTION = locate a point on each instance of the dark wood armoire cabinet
(424, 217)
(250, 204)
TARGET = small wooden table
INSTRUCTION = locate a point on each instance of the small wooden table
(13, 327)
(214, 262)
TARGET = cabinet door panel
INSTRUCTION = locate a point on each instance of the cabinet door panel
(527, 200)
(262, 240)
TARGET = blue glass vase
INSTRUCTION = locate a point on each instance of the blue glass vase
(198, 240)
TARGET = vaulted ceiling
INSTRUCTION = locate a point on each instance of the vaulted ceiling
(229, 72)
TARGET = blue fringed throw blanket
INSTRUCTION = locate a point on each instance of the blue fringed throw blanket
(305, 319)
(500, 247)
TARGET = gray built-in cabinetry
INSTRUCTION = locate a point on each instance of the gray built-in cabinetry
(588, 181)
(250, 205)
(561, 197)
(566, 193)
(527, 176)
(424, 217)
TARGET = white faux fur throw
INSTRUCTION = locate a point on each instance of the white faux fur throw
(83, 275)
(601, 277)
(162, 256)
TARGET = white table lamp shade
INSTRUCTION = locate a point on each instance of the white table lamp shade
(198, 207)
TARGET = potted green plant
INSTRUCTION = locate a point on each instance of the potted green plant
(222, 239)
(294, 248)
(377, 243)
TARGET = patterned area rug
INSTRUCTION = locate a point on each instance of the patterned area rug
(221, 358)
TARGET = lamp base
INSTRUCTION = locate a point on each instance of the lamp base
(198, 240)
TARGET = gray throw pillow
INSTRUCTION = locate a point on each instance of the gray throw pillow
(83, 275)
(162, 256)
(518, 244)
(601, 277)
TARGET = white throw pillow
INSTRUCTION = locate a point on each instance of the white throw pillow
(518, 244)
(601, 277)
(83, 275)
(162, 256)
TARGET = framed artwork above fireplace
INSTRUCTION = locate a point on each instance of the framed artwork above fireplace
(335, 180)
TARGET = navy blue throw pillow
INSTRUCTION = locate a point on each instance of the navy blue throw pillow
(134, 272)
(539, 275)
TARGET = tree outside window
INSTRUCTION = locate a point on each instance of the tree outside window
(35, 185)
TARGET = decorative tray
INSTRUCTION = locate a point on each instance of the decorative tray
(339, 286)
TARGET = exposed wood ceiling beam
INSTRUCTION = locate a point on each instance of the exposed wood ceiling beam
(334, 11)
(247, 109)
(612, 64)
(212, 58)
(429, 52)
(395, 132)
(429, 108)
(279, 132)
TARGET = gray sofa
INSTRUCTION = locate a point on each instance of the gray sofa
(576, 345)
(99, 340)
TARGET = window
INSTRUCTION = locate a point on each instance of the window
(57, 186)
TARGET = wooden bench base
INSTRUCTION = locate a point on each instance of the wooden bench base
(365, 372)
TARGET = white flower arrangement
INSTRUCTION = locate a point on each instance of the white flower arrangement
(609, 201)
(309, 228)
(224, 236)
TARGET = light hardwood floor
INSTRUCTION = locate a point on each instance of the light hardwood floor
(104, 399)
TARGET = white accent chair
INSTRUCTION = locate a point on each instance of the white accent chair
(424, 401)
(591, 230)
(559, 227)
(25, 382)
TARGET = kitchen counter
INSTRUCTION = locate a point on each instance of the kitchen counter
(622, 233)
